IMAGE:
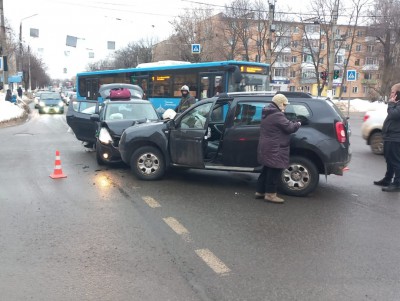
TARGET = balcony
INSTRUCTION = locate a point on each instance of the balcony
(369, 82)
(309, 80)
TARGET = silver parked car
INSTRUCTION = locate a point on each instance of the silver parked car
(371, 129)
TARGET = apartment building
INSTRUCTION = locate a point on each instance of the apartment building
(299, 55)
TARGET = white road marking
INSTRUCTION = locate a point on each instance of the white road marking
(213, 261)
(151, 202)
(178, 228)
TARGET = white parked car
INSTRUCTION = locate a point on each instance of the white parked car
(371, 129)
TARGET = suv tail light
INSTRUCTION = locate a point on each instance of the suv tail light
(366, 116)
(340, 132)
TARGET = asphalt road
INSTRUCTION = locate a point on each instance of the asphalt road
(101, 234)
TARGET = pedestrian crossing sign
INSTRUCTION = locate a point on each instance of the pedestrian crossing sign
(351, 75)
(196, 48)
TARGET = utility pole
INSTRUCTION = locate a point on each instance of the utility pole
(331, 62)
(271, 11)
(3, 44)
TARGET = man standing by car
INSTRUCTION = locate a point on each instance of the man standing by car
(187, 100)
(391, 143)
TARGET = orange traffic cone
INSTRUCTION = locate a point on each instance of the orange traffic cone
(57, 174)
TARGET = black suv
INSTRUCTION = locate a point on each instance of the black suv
(221, 133)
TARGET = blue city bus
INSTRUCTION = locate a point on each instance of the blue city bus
(161, 81)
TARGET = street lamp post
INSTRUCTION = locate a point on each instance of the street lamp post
(20, 63)
(331, 62)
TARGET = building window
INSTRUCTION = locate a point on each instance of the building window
(370, 61)
(280, 72)
(370, 48)
(294, 59)
(295, 44)
(344, 89)
(322, 46)
(307, 58)
(378, 76)
(367, 75)
(357, 62)
(359, 33)
(365, 89)
(321, 60)
(354, 90)
(358, 48)
(292, 73)
(345, 61)
(292, 88)
(337, 31)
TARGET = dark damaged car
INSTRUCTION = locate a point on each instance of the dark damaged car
(221, 133)
(100, 125)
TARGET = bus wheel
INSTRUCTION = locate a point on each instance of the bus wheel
(147, 163)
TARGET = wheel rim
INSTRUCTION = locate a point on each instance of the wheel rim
(148, 163)
(296, 177)
(377, 144)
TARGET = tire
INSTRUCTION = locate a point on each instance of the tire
(147, 163)
(300, 178)
(376, 143)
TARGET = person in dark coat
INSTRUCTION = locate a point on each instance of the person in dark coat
(9, 95)
(274, 147)
(391, 143)
(19, 91)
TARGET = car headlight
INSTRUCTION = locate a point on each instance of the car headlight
(41, 103)
(104, 136)
(60, 104)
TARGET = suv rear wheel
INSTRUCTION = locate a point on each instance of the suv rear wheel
(300, 178)
(147, 163)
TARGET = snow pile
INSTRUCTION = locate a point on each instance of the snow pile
(360, 105)
(8, 110)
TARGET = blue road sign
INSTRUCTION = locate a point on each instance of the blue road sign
(351, 75)
(196, 48)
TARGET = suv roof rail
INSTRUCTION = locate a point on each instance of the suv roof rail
(295, 94)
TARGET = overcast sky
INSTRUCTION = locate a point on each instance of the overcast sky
(93, 22)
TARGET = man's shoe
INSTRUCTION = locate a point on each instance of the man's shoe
(392, 188)
(259, 195)
(383, 182)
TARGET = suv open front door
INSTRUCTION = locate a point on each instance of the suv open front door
(78, 118)
(188, 139)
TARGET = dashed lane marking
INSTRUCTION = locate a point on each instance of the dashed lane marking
(151, 202)
(213, 261)
(178, 228)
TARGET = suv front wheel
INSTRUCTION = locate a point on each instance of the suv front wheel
(147, 163)
(300, 178)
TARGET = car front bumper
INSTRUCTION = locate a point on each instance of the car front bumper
(108, 152)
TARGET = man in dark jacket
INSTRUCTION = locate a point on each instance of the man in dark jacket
(186, 101)
(391, 143)
(19, 91)
(274, 147)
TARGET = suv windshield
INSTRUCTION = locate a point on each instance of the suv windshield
(134, 111)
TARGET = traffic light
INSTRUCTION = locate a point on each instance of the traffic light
(324, 75)
(336, 74)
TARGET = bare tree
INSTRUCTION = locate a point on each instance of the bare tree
(385, 26)
(193, 27)
(239, 21)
